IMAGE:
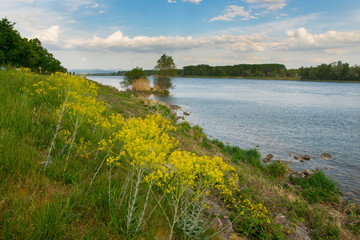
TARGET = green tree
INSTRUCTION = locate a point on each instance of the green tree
(10, 43)
(21, 52)
(134, 74)
(165, 68)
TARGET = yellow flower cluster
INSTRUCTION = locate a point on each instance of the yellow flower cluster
(75, 101)
(81, 148)
(199, 173)
(62, 83)
(86, 107)
(258, 211)
(145, 141)
(65, 135)
(147, 145)
(80, 94)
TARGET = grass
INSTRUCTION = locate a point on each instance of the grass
(276, 169)
(318, 187)
(92, 200)
(251, 156)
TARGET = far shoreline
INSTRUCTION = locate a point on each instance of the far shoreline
(269, 78)
(241, 78)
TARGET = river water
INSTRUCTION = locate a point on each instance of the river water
(284, 118)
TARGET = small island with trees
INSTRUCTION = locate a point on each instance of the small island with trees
(164, 69)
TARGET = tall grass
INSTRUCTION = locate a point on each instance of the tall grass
(141, 84)
(318, 187)
(250, 156)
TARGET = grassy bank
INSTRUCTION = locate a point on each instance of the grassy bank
(83, 161)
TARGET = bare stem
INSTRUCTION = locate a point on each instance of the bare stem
(52, 145)
(77, 124)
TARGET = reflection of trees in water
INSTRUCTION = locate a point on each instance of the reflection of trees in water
(162, 83)
(164, 68)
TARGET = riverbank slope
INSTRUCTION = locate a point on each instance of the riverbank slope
(82, 160)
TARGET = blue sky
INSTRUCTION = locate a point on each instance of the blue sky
(122, 34)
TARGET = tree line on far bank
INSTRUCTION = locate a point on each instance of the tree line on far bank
(335, 71)
(17, 51)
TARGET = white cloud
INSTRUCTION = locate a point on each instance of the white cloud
(268, 4)
(231, 12)
(256, 46)
(93, 6)
(193, 1)
(101, 12)
(301, 38)
(51, 35)
(171, 1)
(118, 42)
(73, 21)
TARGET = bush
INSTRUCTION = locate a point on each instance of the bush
(131, 76)
(251, 156)
(318, 187)
(276, 169)
(218, 143)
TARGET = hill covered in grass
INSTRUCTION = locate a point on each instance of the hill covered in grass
(84, 161)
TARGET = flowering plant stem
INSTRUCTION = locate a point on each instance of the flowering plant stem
(52, 145)
(77, 124)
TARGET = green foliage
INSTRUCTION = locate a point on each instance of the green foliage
(165, 68)
(241, 70)
(218, 143)
(21, 52)
(206, 143)
(324, 229)
(130, 76)
(318, 187)
(250, 156)
(276, 169)
(334, 71)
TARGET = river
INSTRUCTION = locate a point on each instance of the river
(284, 118)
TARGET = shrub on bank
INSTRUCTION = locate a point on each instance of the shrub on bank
(250, 156)
(276, 169)
(318, 187)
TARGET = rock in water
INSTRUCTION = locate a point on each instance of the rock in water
(306, 173)
(268, 158)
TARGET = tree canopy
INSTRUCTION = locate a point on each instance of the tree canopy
(164, 69)
(21, 52)
(335, 71)
(134, 74)
(240, 70)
